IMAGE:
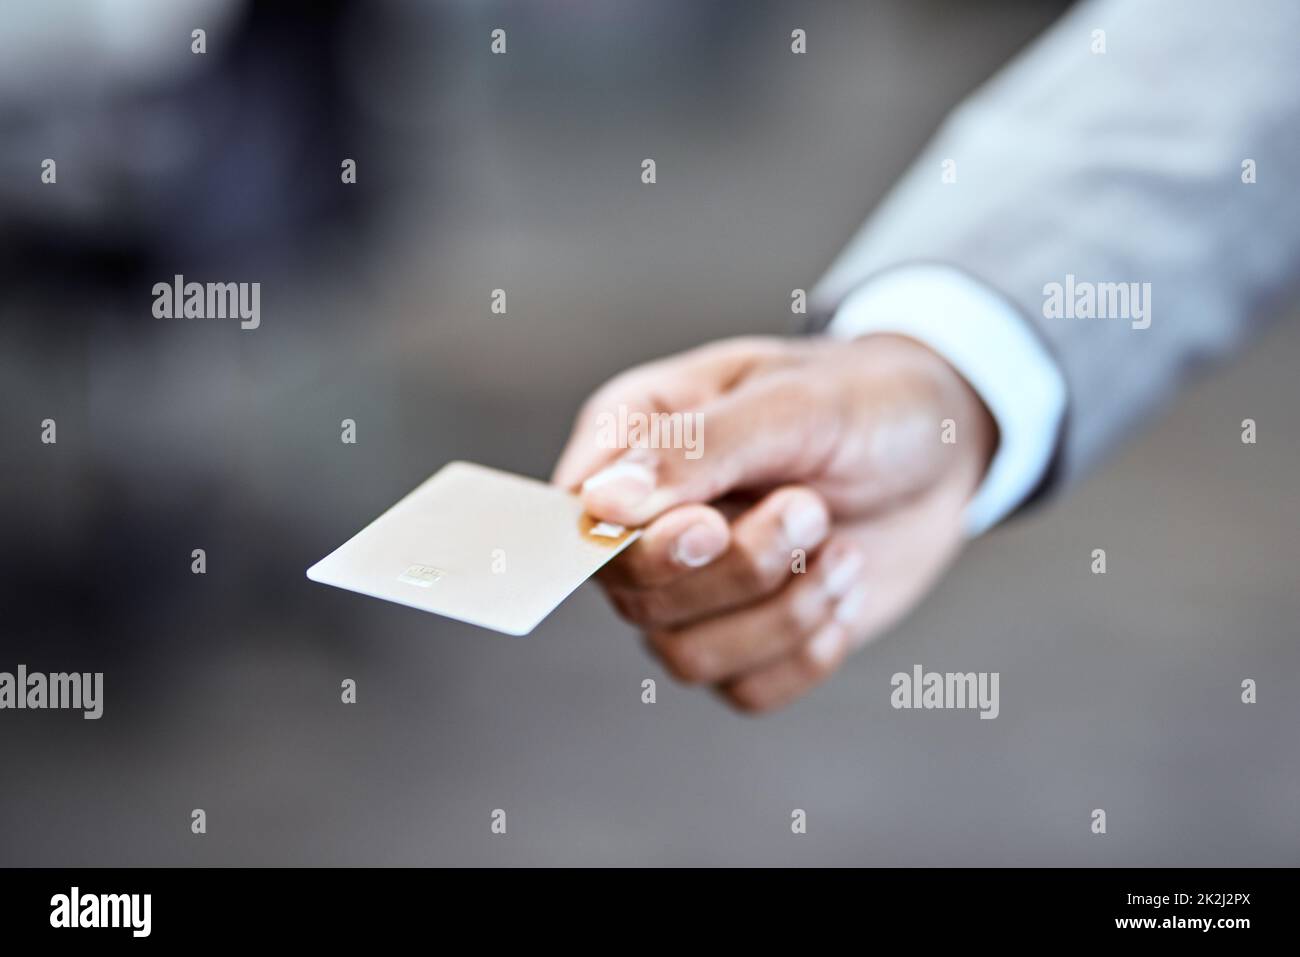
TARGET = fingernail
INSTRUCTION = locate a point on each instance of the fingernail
(805, 523)
(699, 545)
(851, 607)
(843, 572)
(825, 645)
(625, 482)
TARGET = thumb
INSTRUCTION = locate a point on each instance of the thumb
(770, 433)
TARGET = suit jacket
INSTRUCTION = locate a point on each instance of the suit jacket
(1128, 165)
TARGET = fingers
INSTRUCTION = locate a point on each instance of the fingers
(726, 646)
(676, 384)
(584, 453)
(777, 429)
(673, 545)
(672, 580)
(866, 430)
(776, 684)
(863, 443)
(869, 423)
(905, 551)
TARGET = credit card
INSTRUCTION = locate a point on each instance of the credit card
(483, 546)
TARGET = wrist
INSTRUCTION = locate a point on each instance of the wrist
(994, 349)
(961, 429)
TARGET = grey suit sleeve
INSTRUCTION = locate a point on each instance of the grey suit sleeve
(1122, 166)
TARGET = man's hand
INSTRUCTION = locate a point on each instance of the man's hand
(823, 501)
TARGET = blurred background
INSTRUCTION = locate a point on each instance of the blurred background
(522, 172)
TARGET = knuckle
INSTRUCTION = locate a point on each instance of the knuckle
(686, 660)
(739, 346)
(747, 699)
(758, 570)
(793, 388)
(595, 404)
(799, 612)
(621, 383)
(811, 666)
(641, 607)
(655, 607)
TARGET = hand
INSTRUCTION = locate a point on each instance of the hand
(822, 500)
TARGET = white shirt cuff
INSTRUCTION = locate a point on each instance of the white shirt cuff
(985, 339)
